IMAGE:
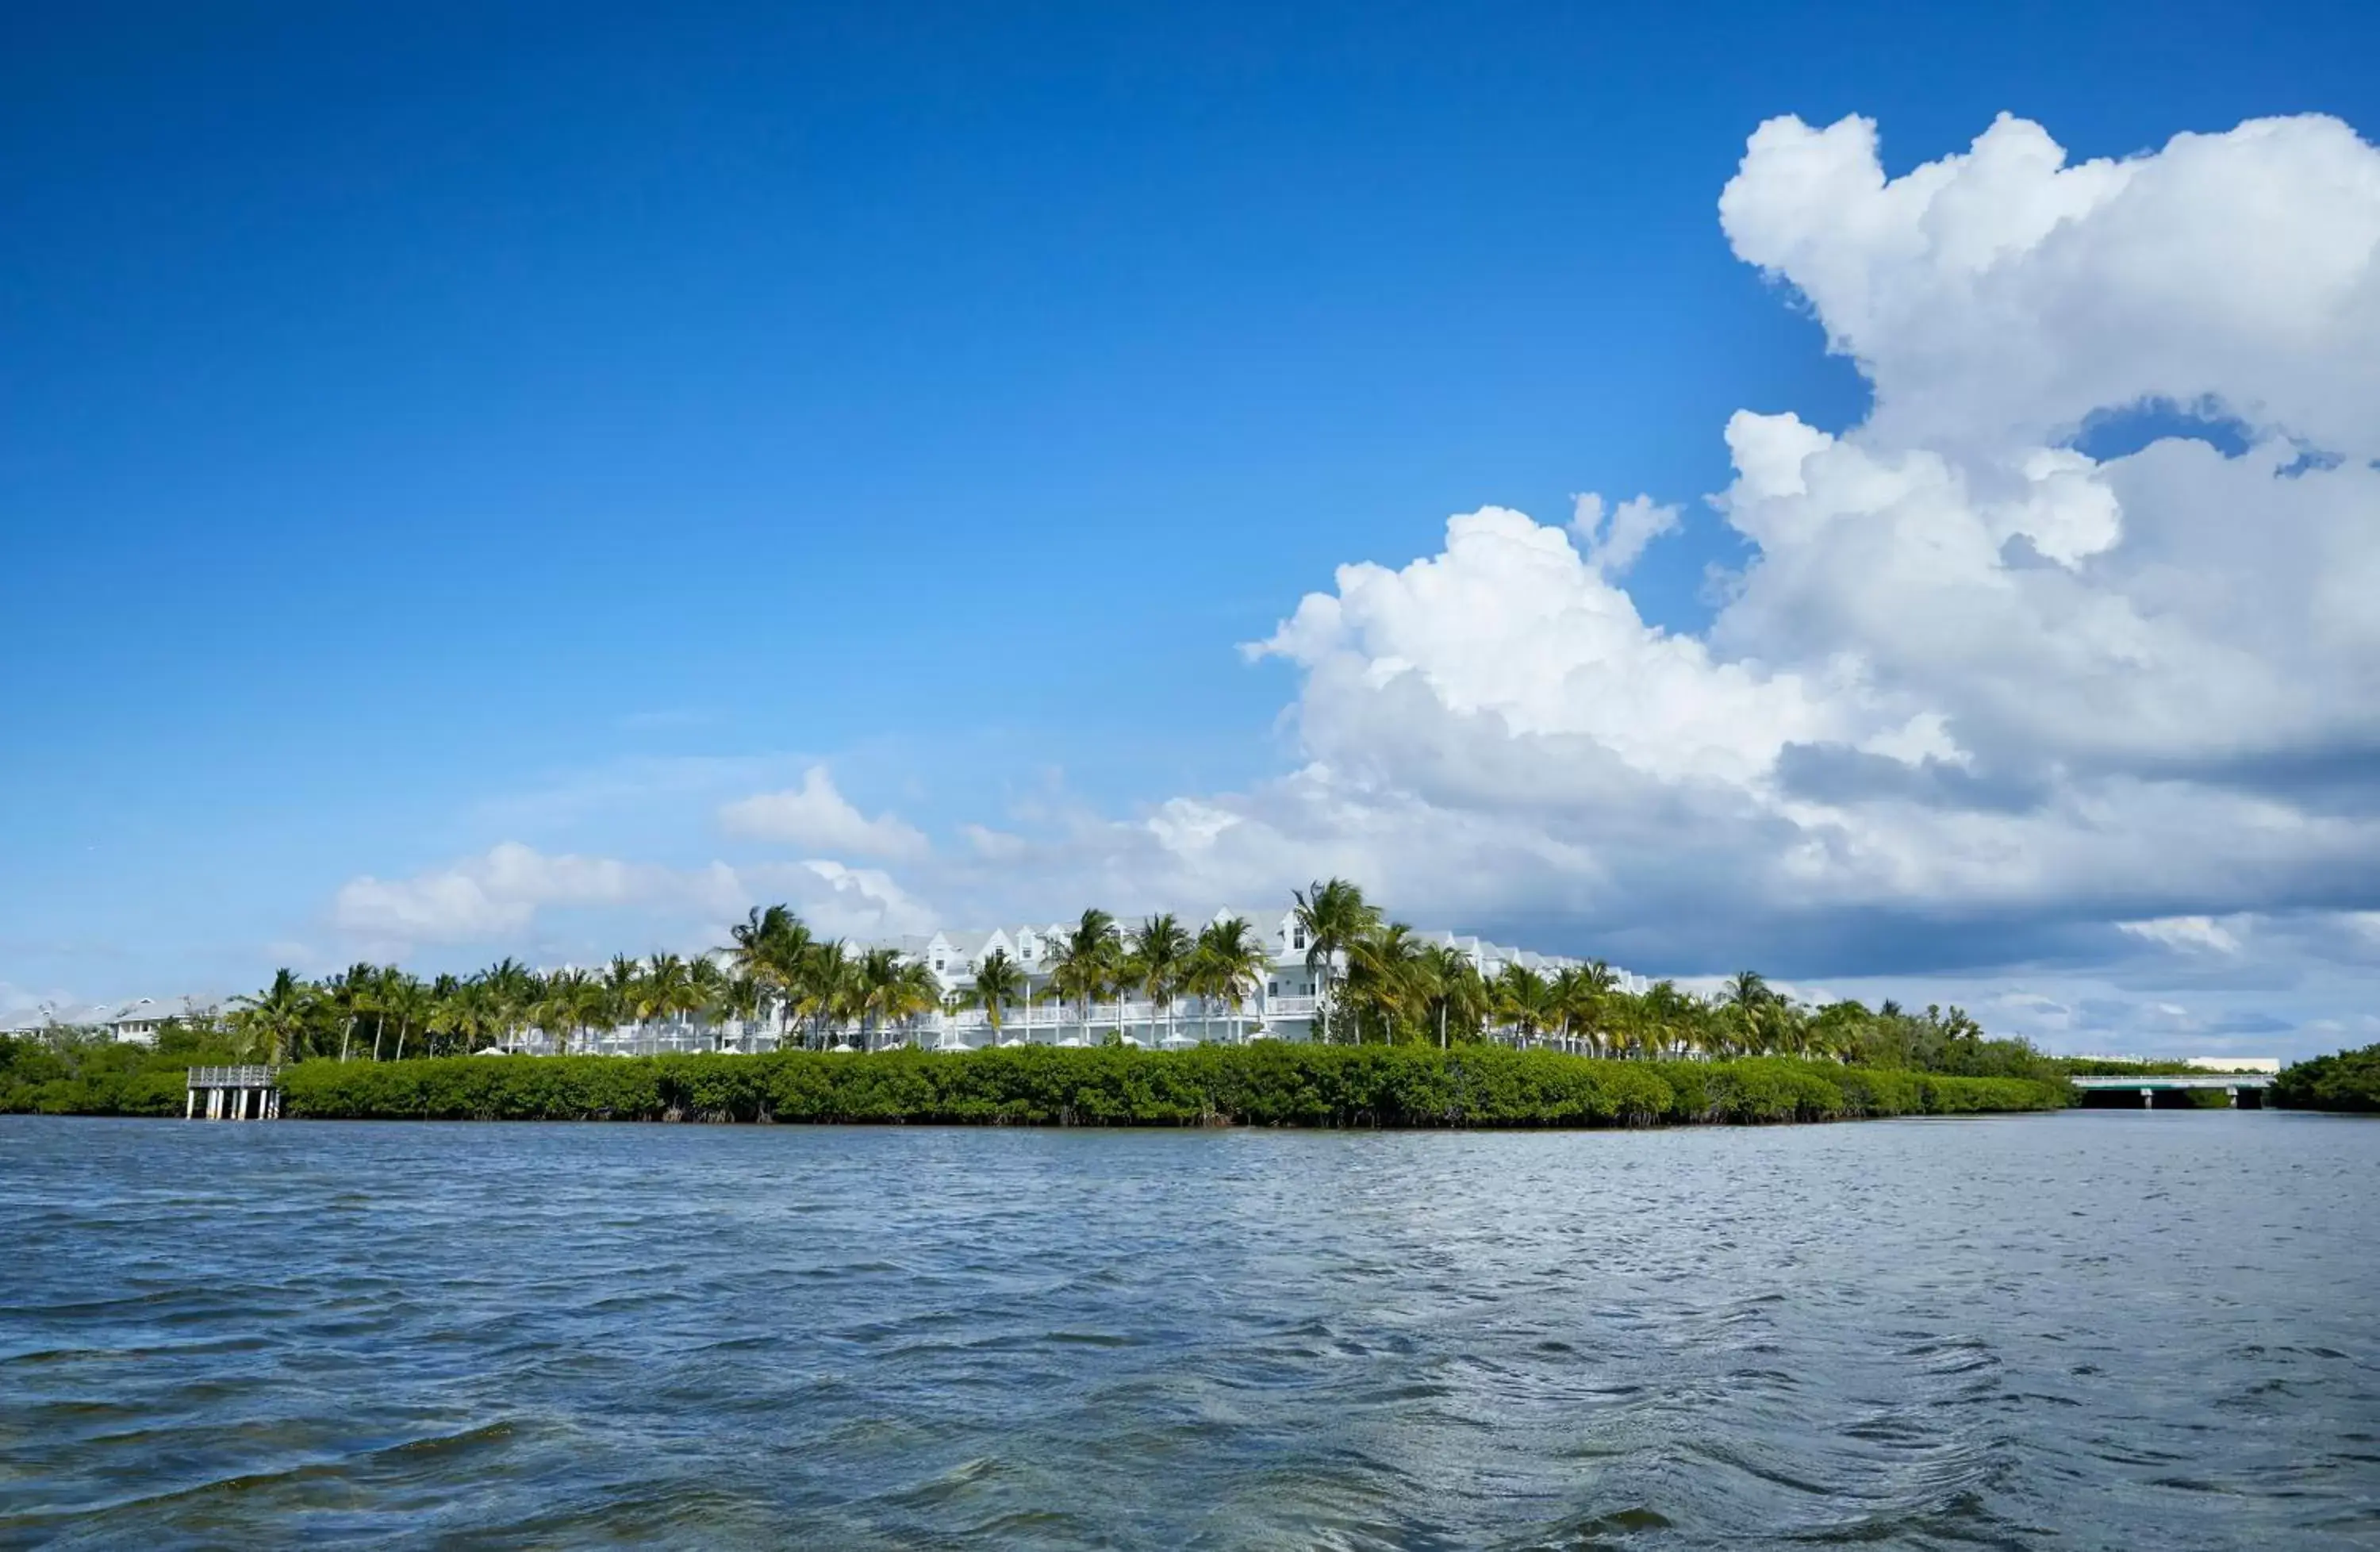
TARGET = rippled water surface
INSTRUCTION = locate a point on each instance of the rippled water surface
(2091, 1330)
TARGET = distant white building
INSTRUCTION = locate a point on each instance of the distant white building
(44, 1017)
(136, 1021)
(139, 1020)
(1284, 1008)
(2203, 1064)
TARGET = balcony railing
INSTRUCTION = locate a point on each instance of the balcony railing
(1107, 1015)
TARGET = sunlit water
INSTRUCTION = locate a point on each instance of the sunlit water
(2090, 1329)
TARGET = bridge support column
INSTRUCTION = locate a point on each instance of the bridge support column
(2232, 1096)
(2148, 1098)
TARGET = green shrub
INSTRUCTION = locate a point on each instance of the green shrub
(1262, 1084)
(2348, 1081)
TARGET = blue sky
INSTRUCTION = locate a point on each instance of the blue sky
(545, 425)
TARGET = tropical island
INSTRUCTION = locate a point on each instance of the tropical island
(1388, 1027)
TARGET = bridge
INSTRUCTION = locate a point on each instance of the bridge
(2177, 1084)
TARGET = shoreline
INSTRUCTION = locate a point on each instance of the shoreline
(1328, 1088)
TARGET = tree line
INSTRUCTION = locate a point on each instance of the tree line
(1377, 981)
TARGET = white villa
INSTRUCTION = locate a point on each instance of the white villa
(1283, 1009)
(135, 1021)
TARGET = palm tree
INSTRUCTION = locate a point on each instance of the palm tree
(409, 1000)
(1523, 998)
(447, 1011)
(621, 978)
(876, 981)
(1747, 998)
(1333, 915)
(661, 987)
(1600, 989)
(1086, 962)
(1666, 1011)
(772, 948)
(348, 997)
(277, 1020)
(914, 994)
(1582, 995)
(1156, 960)
(753, 942)
(823, 991)
(1385, 970)
(999, 980)
(572, 999)
(706, 994)
(510, 987)
(1230, 963)
(387, 989)
(1457, 993)
(742, 1001)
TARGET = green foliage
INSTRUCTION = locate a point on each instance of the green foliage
(2346, 1081)
(78, 1074)
(1266, 1083)
(2101, 1067)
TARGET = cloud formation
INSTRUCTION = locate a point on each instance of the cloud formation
(500, 896)
(1978, 698)
(818, 818)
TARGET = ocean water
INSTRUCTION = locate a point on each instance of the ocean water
(2103, 1329)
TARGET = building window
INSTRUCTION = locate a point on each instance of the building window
(1301, 939)
(1272, 988)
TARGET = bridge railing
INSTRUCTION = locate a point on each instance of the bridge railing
(233, 1077)
(2177, 1080)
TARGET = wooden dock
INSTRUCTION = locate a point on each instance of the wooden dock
(235, 1093)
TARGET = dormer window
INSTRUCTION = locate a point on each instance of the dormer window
(1299, 942)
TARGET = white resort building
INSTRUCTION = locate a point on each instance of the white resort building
(1284, 1008)
(135, 1021)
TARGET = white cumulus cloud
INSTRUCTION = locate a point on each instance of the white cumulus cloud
(817, 817)
(1979, 697)
(505, 896)
(1980, 705)
(2187, 933)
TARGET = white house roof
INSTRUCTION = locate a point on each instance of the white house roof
(46, 1015)
(145, 1009)
(141, 1010)
(961, 947)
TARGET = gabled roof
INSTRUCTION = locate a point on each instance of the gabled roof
(968, 942)
(51, 1016)
(156, 1011)
(1271, 922)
